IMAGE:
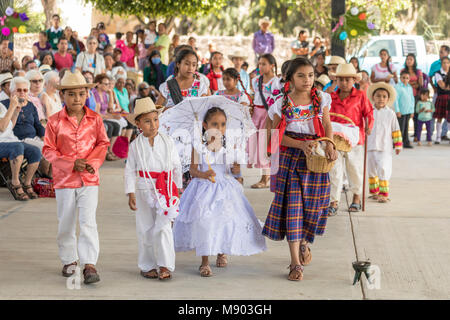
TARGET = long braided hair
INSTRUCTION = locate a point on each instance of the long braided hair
(234, 74)
(293, 66)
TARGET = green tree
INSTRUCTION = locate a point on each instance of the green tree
(158, 8)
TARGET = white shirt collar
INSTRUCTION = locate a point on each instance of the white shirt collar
(52, 29)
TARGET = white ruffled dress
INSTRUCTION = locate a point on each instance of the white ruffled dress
(217, 217)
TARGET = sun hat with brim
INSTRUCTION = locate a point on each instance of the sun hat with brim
(44, 68)
(238, 54)
(385, 86)
(346, 70)
(265, 20)
(143, 106)
(336, 60)
(5, 77)
(73, 80)
(323, 80)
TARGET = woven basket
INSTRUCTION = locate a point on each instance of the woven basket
(340, 142)
(317, 163)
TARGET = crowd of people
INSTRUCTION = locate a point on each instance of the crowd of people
(73, 105)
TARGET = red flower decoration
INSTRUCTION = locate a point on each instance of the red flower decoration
(14, 29)
(15, 15)
(362, 16)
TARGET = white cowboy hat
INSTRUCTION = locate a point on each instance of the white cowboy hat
(323, 80)
(336, 60)
(44, 68)
(382, 85)
(346, 70)
(264, 20)
(237, 54)
(73, 80)
(5, 77)
(144, 105)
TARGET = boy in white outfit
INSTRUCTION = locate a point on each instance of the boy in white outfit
(385, 133)
(153, 176)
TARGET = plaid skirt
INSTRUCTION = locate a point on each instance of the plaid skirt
(441, 106)
(299, 209)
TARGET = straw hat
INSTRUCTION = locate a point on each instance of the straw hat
(323, 80)
(73, 80)
(337, 60)
(264, 20)
(382, 85)
(346, 70)
(237, 54)
(5, 77)
(44, 68)
(144, 105)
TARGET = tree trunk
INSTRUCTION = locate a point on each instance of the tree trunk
(337, 9)
(170, 23)
(50, 9)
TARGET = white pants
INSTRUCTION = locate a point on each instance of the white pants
(354, 162)
(379, 164)
(155, 238)
(68, 201)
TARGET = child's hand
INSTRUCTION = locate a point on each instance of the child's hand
(397, 151)
(209, 175)
(132, 201)
(422, 110)
(330, 152)
(89, 168)
(236, 168)
(80, 165)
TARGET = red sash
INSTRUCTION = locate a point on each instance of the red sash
(161, 183)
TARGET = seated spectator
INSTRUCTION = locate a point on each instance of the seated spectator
(91, 60)
(46, 57)
(109, 62)
(108, 49)
(41, 45)
(80, 43)
(7, 59)
(55, 32)
(16, 151)
(114, 123)
(144, 90)
(30, 65)
(25, 59)
(63, 59)
(122, 93)
(44, 68)
(5, 81)
(103, 39)
(171, 66)
(90, 101)
(50, 97)
(155, 73)
(36, 87)
(131, 88)
(72, 44)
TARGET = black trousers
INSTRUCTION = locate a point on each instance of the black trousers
(403, 121)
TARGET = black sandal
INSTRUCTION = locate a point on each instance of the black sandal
(31, 194)
(355, 206)
(17, 196)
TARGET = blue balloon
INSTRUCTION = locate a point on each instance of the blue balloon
(343, 35)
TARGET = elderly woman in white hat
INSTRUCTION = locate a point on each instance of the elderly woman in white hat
(354, 104)
(263, 40)
(238, 58)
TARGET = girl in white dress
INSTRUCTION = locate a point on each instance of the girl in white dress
(215, 217)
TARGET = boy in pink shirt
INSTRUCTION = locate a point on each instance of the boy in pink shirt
(63, 59)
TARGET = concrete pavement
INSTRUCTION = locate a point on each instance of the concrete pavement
(407, 238)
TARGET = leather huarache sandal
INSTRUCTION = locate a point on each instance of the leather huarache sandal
(374, 197)
(296, 273)
(152, 274)
(305, 254)
(90, 274)
(332, 211)
(30, 192)
(221, 261)
(164, 274)
(205, 271)
(65, 269)
(261, 185)
(19, 196)
(354, 207)
(382, 199)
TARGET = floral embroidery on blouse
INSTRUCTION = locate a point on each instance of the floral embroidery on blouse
(234, 97)
(190, 92)
(300, 113)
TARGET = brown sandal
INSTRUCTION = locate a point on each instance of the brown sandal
(261, 185)
(31, 194)
(296, 273)
(152, 274)
(221, 261)
(374, 197)
(205, 271)
(65, 269)
(17, 196)
(382, 199)
(164, 274)
(305, 254)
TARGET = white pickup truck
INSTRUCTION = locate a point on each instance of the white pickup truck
(399, 46)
